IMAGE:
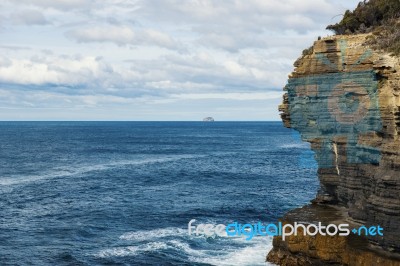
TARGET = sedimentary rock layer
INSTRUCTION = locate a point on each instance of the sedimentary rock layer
(344, 98)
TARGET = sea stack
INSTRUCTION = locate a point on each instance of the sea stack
(208, 119)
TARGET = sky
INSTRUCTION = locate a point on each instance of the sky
(154, 60)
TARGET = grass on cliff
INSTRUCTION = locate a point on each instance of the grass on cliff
(381, 17)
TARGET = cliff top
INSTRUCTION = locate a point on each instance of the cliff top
(379, 17)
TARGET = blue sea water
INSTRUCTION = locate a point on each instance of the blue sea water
(122, 193)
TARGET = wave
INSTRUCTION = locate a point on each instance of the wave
(153, 234)
(131, 250)
(253, 254)
(74, 171)
(296, 146)
(223, 251)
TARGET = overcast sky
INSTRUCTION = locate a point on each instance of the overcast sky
(153, 59)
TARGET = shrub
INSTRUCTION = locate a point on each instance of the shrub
(368, 14)
(379, 16)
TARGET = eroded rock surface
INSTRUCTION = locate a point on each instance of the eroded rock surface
(344, 99)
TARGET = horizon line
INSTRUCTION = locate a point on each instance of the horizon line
(140, 121)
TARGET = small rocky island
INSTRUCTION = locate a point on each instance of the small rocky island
(208, 119)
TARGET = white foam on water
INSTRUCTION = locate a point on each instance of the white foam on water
(252, 254)
(235, 251)
(296, 145)
(131, 250)
(78, 170)
(153, 234)
(16, 180)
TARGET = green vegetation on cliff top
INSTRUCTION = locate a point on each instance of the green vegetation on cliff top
(381, 17)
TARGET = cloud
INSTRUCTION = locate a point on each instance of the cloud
(28, 17)
(163, 77)
(260, 96)
(237, 25)
(58, 4)
(123, 35)
(14, 48)
(118, 35)
(246, 14)
(159, 57)
(202, 73)
(5, 62)
(48, 72)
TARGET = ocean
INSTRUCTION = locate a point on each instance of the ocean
(123, 193)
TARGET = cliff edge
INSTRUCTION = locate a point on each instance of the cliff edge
(344, 98)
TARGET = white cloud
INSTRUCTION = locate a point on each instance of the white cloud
(119, 35)
(123, 35)
(5, 62)
(236, 25)
(259, 96)
(57, 71)
(187, 56)
(235, 69)
(56, 4)
(28, 17)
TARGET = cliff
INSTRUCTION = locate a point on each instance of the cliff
(344, 98)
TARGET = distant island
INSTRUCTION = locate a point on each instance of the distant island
(208, 119)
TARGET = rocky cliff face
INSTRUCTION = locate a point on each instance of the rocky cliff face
(344, 99)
